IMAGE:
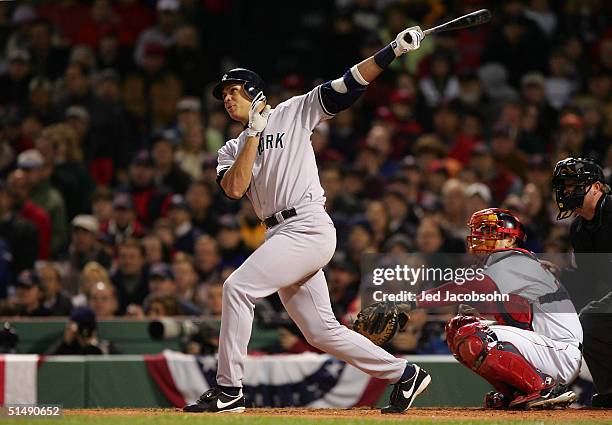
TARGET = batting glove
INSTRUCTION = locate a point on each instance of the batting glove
(258, 120)
(401, 46)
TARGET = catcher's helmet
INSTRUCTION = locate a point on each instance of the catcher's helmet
(252, 82)
(572, 180)
(490, 225)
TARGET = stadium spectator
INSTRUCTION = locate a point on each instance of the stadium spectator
(150, 93)
(212, 300)
(123, 223)
(148, 198)
(167, 170)
(130, 276)
(155, 250)
(401, 216)
(59, 143)
(189, 60)
(186, 281)
(378, 220)
(185, 234)
(207, 258)
(104, 126)
(163, 284)
(100, 20)
(504, 150)
(162, 33)
(30, 212)
(81, 336)
(84, 248)
(29, 295)
(478, 197)
(199, 198)
(55, 299)
(441, 86)
(43, 194)
(20, 236)
(66, 16)
(92, 273)
(157, 306)
(454, 204)
(103, 300)
(191, 152)
(343, 282)
(500, 181)
(134, 18)
(14, 84)
(231, 247)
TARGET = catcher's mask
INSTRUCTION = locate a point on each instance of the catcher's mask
(572, 180)
(491, 225)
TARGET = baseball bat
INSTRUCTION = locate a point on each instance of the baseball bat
(470, 20)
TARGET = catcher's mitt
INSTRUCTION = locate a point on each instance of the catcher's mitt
(379, 322)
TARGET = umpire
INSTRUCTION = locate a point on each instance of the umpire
(580, 189)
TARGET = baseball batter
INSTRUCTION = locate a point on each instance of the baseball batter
(533, 349)
(273, 163)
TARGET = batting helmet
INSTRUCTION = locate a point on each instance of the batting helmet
(252, 82)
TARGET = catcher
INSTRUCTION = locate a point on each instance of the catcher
(532, 349)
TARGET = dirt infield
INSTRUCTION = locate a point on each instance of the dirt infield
(429, 413)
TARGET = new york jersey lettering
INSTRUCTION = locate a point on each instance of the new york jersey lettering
(269, 141)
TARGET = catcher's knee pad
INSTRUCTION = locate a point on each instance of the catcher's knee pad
(470, 344)
(499, 362)
(453, 326)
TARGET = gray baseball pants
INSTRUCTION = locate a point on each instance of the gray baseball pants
(290, 262)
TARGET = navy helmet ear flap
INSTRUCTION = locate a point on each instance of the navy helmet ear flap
(250, 90)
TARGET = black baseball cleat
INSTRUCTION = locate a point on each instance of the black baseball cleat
(559, 397)
(216, 401)
(602, 400)
(495, 400)
(555, 397)
(404, 393)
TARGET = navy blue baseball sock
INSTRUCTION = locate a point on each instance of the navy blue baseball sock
(409, 372)
(231, 391)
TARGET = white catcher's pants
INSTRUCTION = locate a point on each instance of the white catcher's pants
(294, 252)
(561, 360)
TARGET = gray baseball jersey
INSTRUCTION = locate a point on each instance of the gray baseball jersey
(554, 315)
(285, 172)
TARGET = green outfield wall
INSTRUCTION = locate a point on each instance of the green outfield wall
(123, 381)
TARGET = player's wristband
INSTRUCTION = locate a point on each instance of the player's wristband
(385, 56)
(252, 133)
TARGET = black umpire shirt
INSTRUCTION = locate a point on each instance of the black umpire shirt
(589, 237)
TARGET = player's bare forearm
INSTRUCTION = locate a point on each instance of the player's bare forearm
(237, 178)
(368, 69)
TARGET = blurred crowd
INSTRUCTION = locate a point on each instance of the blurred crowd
(109, 134)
